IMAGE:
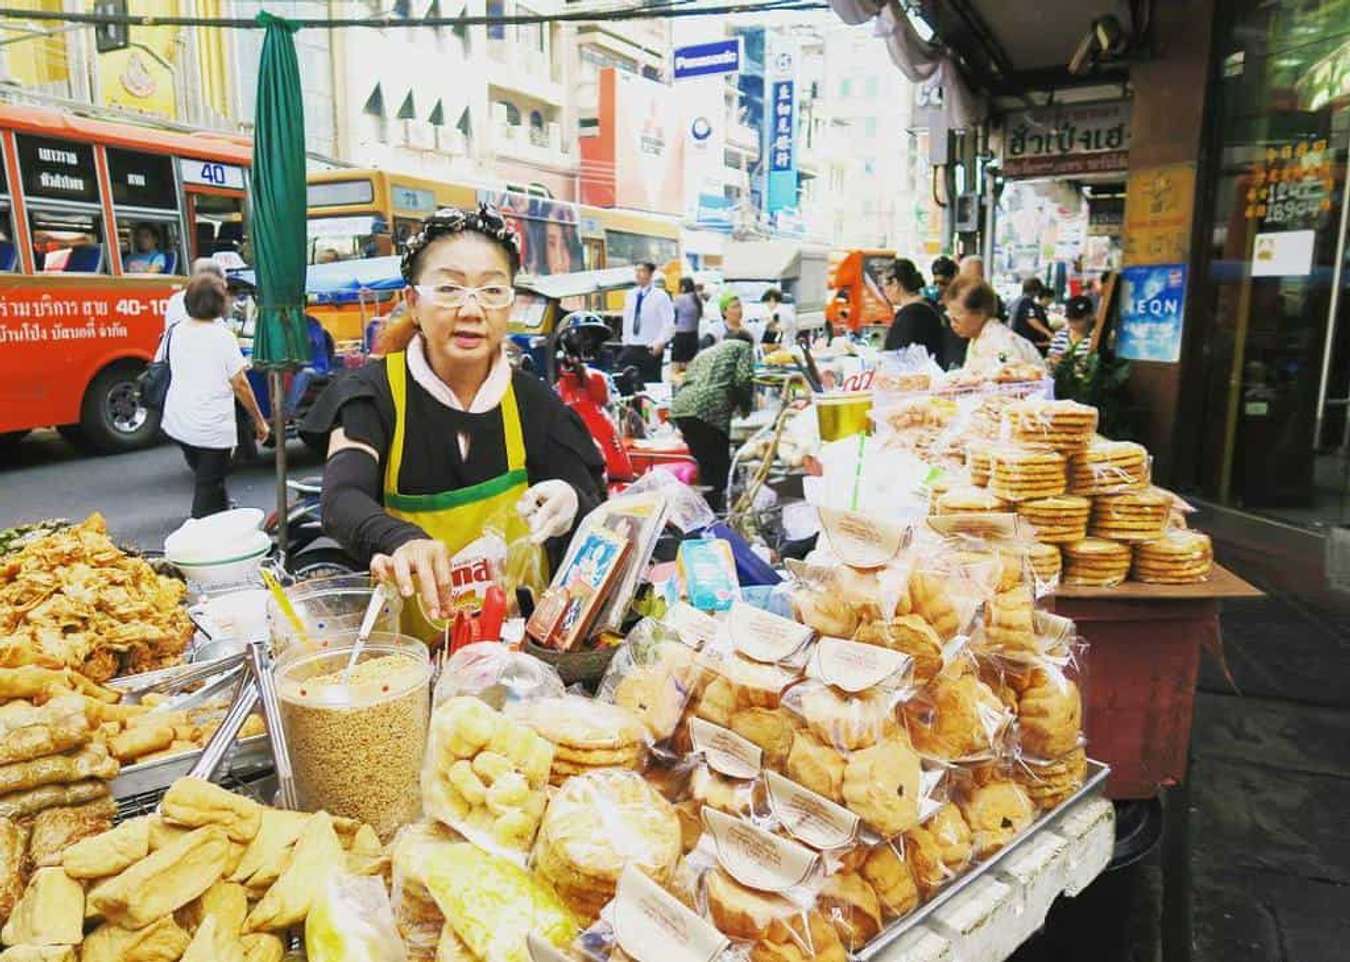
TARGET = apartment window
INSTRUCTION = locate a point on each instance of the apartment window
(512, 112)
(872, 87)
(731, 159)
(846, 87)
(403, 8)
(496, 8)
(531, 35)
(437, 115)
(408, 111)
(870, 167)
(869, 127)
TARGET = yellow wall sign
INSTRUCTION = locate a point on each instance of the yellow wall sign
(1159, 204)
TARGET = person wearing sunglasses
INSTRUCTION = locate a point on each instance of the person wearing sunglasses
(439, 440)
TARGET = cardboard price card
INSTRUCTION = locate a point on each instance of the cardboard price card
(756, 858)
(808, 817)
(651, 925)
(861, 541)
(726, 752)
(763, 636)
(855, 667)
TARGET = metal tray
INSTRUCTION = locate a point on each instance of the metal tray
(1092, 785)
(249, 756)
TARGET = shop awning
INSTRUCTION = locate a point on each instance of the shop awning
(578, 284)
(762, 260)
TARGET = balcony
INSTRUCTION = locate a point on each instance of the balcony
(540, 146)
(516, 67)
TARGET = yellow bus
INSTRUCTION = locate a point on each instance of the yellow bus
(371, 213)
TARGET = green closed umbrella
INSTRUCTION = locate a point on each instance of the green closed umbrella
(277, 230)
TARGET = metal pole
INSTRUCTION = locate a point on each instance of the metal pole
(1337, 278)
(278, 396)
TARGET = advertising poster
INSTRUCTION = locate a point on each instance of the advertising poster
(649, 146)
(704, 131)
(550, 239)
(1158, 205)
(1151, 303)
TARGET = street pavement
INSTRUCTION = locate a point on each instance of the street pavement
(143, 495)
(1255, 864)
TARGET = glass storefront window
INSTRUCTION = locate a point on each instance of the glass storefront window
(1276, 334)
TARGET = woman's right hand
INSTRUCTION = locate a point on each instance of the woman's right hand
(261, 430)
(419, 567)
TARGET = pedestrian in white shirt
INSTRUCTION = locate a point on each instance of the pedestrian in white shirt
(176, 309)
(206, 374)
(648, 324)
(972, 307)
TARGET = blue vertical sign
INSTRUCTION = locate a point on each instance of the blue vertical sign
(1151, 305)
(780, 123)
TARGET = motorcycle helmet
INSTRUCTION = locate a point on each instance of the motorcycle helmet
(583, 333)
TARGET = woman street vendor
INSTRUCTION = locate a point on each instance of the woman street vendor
(440, 438)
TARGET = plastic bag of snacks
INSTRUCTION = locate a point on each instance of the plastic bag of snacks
(496, 675)
(958, 717)
(935, 852)
(722, 771)
(1095, 562)
(350, 920)
(647, 923)
(586, 734)
(1141, 515)
(417, 917)
(1178, 557)
(760, 890)
(1109, 467)
(653, 674)
(1065, 426)
(994, 806)
(1018, 473)
(745, 696)
(486, 776)
(596, 826)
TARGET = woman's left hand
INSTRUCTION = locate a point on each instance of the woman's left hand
(549, 507)
(261, 430)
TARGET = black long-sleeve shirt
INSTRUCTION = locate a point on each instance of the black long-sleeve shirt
(557, 445)
(917, 323)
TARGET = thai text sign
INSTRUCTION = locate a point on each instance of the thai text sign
(1068, 139)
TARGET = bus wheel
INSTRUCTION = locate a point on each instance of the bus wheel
(111, 418)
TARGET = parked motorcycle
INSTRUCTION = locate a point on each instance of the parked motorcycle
(309, 553)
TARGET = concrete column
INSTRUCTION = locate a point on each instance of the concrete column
(1167, 130)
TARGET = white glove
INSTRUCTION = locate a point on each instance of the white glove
(550, 507)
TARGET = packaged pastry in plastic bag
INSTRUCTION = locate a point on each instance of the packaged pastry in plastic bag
(1049, 782)
(1178, 557)
(417, 917)
(1065, 426)
(653, 674)
(723, 772)
(492, 904)
(996, 809)
(350, 920)
(1095, 562)
(958, 717)
(647, 923)
(1025, 473)
(1109, 467)
(736, 683)
(586, 735)
(935, 852)
(760, 890)
(1058, 518)
(764, 637)
(598, 824)
(485, 775)
(1138, 515)
(496, 675)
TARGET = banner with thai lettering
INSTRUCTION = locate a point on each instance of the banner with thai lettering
(1067, 139)
(780, 124)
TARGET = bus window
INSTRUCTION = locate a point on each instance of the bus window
(9, 251)
(67, 241)
(141, 180)
(348, 238)
(623, 248)
(217, 225)
(404, 229)
(150, 245)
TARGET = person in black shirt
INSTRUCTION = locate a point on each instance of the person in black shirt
(953, 347)
(916, 322)
(439, 438)
(1028, 314)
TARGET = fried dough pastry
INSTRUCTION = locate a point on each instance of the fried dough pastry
(39, 953)
(165, 880)
(317, 853)
(195, 802)
(51, 912)
(56, 829)
(13, 843)
(160, 941)
(34, 800)
(92, 761)
(211, 943)
(107, 854)
(27, 732)
(227, 902)
(265, 857)
(262, 947)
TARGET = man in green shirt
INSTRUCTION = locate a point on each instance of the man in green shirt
(718, 381)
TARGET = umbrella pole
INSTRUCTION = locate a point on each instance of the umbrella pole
(274, 387)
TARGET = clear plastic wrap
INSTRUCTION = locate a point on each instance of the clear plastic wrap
(938, 850)
(647, 923)
(996, 809)
(59, 725)
(958, 718)
(350, 920)
(486, 776)
(417, 917)
(1050, 782)
(1109, 467)
(1142, 515)
(587, 735)
(597, 825)
(496, 675)
(1066, 426)
(1178, 557)
(1057, 519)
(1025, 473)
(653, 674)
(1095, 562)
(968, 500)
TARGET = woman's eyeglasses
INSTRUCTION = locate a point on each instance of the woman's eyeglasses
(491, 297)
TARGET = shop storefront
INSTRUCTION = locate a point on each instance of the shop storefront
(1269, 355)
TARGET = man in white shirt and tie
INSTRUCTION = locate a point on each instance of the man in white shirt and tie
(648, 324)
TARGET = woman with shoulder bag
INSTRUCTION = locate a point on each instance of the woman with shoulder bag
(206, 375)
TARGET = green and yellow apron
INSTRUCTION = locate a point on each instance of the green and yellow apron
(455, 518)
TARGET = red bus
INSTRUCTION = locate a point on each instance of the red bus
(98, 224)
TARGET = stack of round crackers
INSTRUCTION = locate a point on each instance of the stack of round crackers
(1045, 562)
(1179, 557)
(587, 735)
(595, 827)
(1131, 516)
(1096, 562)
(968, 499)
(1025, 474)
(977, 461)
(1050, 783)
(1066, 426)
(1009, 626)
(1057, 519)
(1107, 467)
